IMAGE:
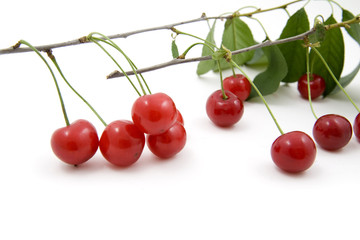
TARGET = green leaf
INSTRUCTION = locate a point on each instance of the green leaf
(259, 59)
(205, 66)
(332, 49)
(174, 49)
(319, 34)
(294, 52)
(346, 80)
(354, 30)
(269, 81)
(237, 35)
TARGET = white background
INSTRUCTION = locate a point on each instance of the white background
(223, 185)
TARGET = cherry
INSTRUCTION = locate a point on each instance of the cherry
(169, 143)
(224, 112)
(122, 143)
(332, 131)
(293, 152)
(239, 85)
(76, 143)
(154, 113)
(357, 127)
(317, 86)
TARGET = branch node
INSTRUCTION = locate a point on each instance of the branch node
(83, 39)
(182, 56)
(50, 54)
(17, 45)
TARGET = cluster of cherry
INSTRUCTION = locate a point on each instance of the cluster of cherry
(122, 142)
(294, 151)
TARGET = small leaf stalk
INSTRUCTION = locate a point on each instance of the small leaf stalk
(53, 76)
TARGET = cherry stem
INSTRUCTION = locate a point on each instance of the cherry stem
(260, 95)
(131, 63)
(263, 28)
(308, 81)
(224, 96)
(53, 59)
(190, 35)
(183, 55)
(95, 40)
(53, 75)
(334, 78)
(233, 70)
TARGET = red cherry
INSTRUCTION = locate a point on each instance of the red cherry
(168, 143)
(357, 127)
(154, 113)
(224, 112)
(317, 86)
(332, 131)
(293, 152)
(239, 85)
(122, 143)
(76, 143)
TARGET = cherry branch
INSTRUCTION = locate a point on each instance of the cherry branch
(45, 48)
(267, 43)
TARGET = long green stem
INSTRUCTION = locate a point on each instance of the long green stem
(199, 38)
(334, 78)
(260, 95)
(52, 57)
(130, 62)
(308, 81)
(94, 40)
(263, 28)
(183, 55)
(53, 75)
(132, 65)
(221, 81)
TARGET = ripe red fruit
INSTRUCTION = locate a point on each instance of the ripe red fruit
(293, 152)
(169, 143)
(317, 86)
(357, 127)
(224, 112)
(179, 118)
(239, 85)
(332, 131)
(154, 113)
(76, 143)
(122, 143)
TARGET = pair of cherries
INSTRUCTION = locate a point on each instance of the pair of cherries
(330, 131)
(296, 151)
(122, 141)
(225, 107)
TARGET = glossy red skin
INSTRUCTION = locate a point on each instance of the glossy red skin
(169, 143)
(317, 86)
(224, 112)
(76, 143)
(179, 118)
(122, 143)
(356, 127)
(293, 152)
(239, 85)
(332, 132)
(154, 113)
